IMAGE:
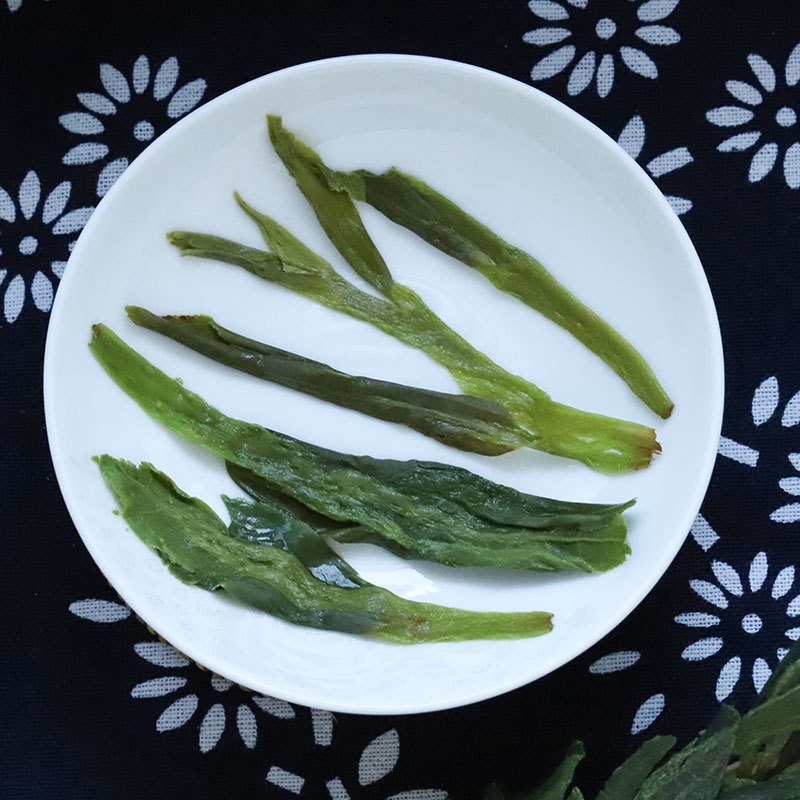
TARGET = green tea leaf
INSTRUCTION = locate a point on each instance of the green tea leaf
(415, 205)
(628, 778)
(778, 788)
(603, 443)
(198, 549)
(270, 523)
(463, 421)
(558, 784)
(435, 511)
(335, 211)
(694, 773)
(766, 729)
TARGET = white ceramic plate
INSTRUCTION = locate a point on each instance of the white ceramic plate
(533, 170)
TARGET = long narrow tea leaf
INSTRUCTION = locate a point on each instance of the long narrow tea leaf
(415, 205)
(451, 230)
(558, 784)
(601, 442)
(462, 421)
(335, 210)
(259, 489)
(765, 730)
(777, 788)
(193, 541)
(628, 778)
(694, 773)
(490, 501)
(431, 510)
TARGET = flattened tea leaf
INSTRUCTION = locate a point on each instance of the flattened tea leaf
(558, 784)
(410, 202)
(778, 788)
(195, 544)
(694, 773)
(462, 421)
(478, 524)
(628, 778)
(335, 211)
(767, 728)
(603, 443)
(271, 524)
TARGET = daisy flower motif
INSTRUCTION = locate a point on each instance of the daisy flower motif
(632, 140)
(130, 111)
(222, 702)
(37, 233)
(765, 110)
(740, 614)
(594, 37)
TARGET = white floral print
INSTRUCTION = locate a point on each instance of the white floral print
(232, 706)
(376, 762)
(764, 408)
(601, 36)
(765, 116)
(704, 535)
(239, 705)
(99, 610)
(37, 233)
(789, 512)
(647, 711)
(632, 141)
(230, 703)
(132, 110)
(736, 609)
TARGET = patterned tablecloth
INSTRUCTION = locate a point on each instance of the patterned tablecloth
(704, 95)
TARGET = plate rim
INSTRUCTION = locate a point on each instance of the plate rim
(410, 61)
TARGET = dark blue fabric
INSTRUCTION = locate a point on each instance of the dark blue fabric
(69, 725)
